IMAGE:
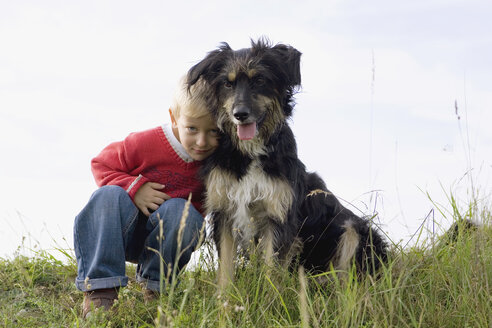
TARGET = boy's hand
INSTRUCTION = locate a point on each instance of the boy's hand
(148, 197)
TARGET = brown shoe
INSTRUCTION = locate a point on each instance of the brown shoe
(150, 295)
(99, 298)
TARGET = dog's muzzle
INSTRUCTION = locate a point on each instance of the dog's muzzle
(246, 124)
(241, 113)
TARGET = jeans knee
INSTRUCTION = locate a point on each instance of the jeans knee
(113, 197)
(105, 205)
(108, 192)
(175, 205)
(172, 212)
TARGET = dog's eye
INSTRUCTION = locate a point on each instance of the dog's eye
(227, 84)
(259, 81)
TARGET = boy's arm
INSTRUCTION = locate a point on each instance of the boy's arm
(119, 164)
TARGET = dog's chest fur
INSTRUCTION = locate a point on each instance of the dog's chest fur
(249, 203)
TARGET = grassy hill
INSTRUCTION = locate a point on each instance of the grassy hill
(435, 284)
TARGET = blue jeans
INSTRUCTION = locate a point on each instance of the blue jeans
(111, 230)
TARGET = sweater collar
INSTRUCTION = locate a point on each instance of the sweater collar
(177, 146)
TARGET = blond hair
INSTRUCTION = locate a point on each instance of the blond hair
(190, 101)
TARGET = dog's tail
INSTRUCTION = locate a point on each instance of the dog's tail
(361, 243)
(348, 245)
(373, 251)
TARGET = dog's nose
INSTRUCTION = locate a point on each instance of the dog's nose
(241, 113)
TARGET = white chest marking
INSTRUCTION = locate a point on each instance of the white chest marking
(250, 202)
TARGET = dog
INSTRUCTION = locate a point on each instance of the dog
(257, 190)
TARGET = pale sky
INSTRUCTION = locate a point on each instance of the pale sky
(376, 114)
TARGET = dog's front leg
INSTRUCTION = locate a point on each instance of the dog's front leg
(227, 252)
(267, 245)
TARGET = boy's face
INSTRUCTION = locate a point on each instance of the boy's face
(198, 135)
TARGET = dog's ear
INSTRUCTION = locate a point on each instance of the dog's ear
(210, 66)
(291, 58)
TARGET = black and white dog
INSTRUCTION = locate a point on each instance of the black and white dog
(258, 191)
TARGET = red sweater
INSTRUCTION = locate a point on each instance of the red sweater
(148, 156)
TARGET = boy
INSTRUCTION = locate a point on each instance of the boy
(148, 175)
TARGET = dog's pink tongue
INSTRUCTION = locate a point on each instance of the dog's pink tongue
(246, 131)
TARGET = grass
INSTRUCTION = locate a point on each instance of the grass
(433, 284)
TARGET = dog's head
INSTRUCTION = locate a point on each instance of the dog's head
(253, 87)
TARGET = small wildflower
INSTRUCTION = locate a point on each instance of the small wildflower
(21, 313)
(238, 308)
